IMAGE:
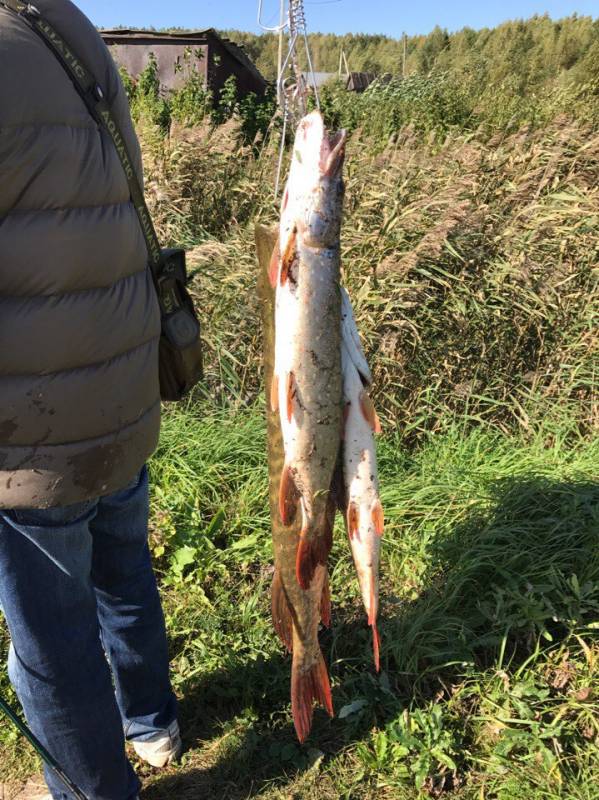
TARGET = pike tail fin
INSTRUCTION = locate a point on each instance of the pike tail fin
(281, 611)
(307, 687)
(376, 642)
(372, 615)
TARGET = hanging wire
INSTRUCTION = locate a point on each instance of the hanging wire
(292, 86)
(297, 25)
(274, 29)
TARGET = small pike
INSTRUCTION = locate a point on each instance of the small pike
(364, 512)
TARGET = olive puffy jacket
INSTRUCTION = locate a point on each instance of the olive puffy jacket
(79, 320)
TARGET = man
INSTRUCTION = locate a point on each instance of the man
(79, 416)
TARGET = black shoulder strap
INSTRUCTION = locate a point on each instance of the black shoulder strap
(93, 96)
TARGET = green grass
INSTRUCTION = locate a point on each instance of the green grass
(490, 614)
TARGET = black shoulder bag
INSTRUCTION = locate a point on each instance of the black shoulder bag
(180, 350)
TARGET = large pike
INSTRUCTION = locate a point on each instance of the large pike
(306, 390)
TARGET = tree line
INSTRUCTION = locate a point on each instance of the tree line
(530, 53)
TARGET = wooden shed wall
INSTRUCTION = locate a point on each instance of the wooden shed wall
(226, 65)
(210, 57)
(134, 57)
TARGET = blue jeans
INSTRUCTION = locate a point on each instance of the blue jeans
(80, 598)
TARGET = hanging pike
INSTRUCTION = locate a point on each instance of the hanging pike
(364, 512)
(306, 390)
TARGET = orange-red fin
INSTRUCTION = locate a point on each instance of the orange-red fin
(306, 688)
(378, 517)
(281, 611)
(369, 412)
(325, 603)
(290, 393)
(373, 602)
(288, 496)
(311, 551)
(288, 256)
(372, 622)
(314, 547)
(353, 519)
(274, 392)
(273, 267)
(376, 647)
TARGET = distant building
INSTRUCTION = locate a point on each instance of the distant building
(354, 81)
(319, 78)
(359, 81)
(214, 57)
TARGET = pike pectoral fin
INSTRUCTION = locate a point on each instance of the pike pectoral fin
(369, 412)
(274, 392)
(288, 257)
(273, 268)
(353, 520)
(307, 687)
(325, 603)
(288, 496)
(281, 611)
(378, 517)
(290, 393)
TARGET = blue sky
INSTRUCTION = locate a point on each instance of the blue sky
(334, 16)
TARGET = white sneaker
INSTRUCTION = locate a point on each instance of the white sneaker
(163, 748)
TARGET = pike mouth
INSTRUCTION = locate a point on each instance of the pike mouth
(332, 153)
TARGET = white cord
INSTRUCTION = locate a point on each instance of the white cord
(276, 29)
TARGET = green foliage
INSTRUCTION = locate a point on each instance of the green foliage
(192, 101)
(416, 745)
(519, 72)
(227, 101)
(146, 100)
(254, 113)
(128, 84)
(430, 103)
